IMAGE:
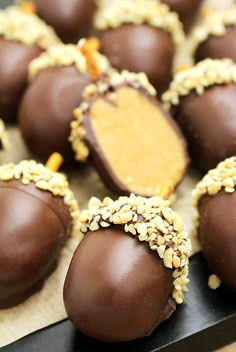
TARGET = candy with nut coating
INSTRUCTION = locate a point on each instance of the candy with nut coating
(143, 149)
(215, 199)
(201, 99)
(57, 80)
(23, 37)
(38, 212)
(127, 274)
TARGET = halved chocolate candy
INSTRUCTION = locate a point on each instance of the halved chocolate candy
(58, 78)
(215, 37)
(37, 212)
(23, 37)
(140, 41)
(71, 20)
(202, 101)
(215, 199)
(134, 144)
(130, 269)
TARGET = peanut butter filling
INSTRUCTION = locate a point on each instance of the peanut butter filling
(138, 141)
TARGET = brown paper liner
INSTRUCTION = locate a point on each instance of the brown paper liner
(46, 307)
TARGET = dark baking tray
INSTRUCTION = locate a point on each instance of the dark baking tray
(205, 322)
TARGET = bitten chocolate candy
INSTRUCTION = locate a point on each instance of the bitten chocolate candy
(202, 100)
(140, 41)
(23, 37)
(133, 143)
(186, 9)
(37, 211)
(58, 78)
(130, 269)
(215, 198)
(216, 36)
(71, 19)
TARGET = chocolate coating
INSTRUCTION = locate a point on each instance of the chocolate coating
(116, 289)
(71, 19)
(47, 110)
(186, 9)
(14, 60)
(217, 233)
(209, 125)
(34, 227)
(218, 47)
(141, 48)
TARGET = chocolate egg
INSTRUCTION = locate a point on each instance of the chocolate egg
(36, 219)
(215, 198)
(140, 41)
(117, 287)
(58, 78)
(186, 9)
(71, 20)
(144, 152)
(204, 110)
(22, 38)
(215, 37)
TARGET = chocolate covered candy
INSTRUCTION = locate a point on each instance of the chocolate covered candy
(129, 271)
(23, 37)
(216, 36)
(186, 9)
(71, 19)
(134, 144)
(215, 199)
(37, 211)
(57, 79)
(202, 100)
(140, 36)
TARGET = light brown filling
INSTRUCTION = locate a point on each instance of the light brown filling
(138, 142)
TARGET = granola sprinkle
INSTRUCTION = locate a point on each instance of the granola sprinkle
(101, 87)
(215, 24)
(198, 78)
(29, 29)
(65, 55)
(137, 12)
(152, 221)
(223, 177)
(30, 171)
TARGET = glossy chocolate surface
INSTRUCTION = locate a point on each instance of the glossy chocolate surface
(209, 125)
(218, 47)
(186, 9)
(34, 227)
(14, 60)
(47, 110)
(116, 289)
(141, 48)
(217, 233)
(71, 19)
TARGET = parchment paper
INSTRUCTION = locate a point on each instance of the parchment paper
(46, 307)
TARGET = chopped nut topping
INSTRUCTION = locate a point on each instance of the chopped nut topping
(172, 246)
(152, 12)
(66, 55)
(222, 177)
(102, 87)
(215, 24)
(198, 78)
(214, 282)
(30, 171)
(26, 28)
(4, 140)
